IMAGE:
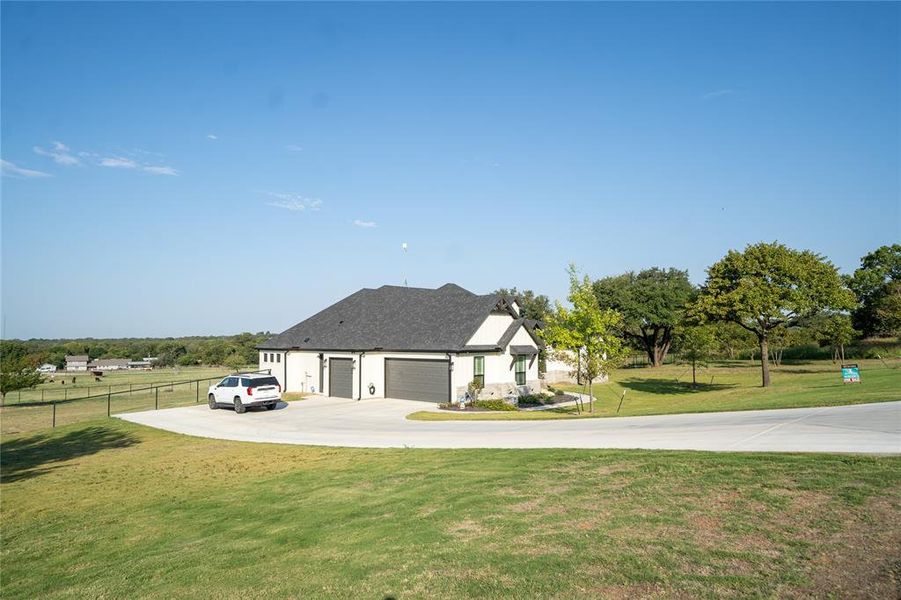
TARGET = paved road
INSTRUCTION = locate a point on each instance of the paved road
(865, 428)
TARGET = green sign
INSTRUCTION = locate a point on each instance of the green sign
(850, 374)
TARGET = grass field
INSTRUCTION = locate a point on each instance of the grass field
(112, 381)
(724, 386)
(110, 509)
(129, 393)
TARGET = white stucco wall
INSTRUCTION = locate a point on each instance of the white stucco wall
(491, 330)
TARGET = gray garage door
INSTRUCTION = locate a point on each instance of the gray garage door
(340, 377)
(411, 379)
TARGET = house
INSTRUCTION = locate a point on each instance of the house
(46, 368)
(409, 343)
(77, 363)
(109, 364)
(140, 365)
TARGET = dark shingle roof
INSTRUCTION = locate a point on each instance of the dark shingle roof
(392, 318)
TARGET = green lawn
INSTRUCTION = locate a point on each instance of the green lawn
(724, 386)
(108, 509)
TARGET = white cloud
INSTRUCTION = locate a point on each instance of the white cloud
(293, 148)
(718, 93)
(8, 169)
(362, 223)
(159, 170)
(294, 202)
(212, 136)
(118, 162)
(59, 152)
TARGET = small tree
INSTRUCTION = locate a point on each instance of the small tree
(769, 286)
(696, 344)
(584, 336)
(474, 388)
(836, 332)
(235, 361)
(17, 369)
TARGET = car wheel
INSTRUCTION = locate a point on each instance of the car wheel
(212, 401)
(239, 406)
(271, 406)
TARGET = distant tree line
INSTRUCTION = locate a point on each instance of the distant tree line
(184, 351)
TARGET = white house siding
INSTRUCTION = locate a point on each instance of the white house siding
(491, 330)
(500, 370)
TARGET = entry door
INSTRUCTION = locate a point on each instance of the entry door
(414, 379)
(340, 377)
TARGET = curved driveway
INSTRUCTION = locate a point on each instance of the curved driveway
(381, 423)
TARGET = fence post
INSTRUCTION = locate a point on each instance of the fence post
(54, 413)
(109, 389)
(197, 393)
(156, 402)
(107, 404)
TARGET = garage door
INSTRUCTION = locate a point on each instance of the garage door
(411, 379)
(340, 377)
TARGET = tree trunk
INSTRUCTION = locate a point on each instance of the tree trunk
(590, 397)
(842, 348)
(694, 379)
(764, 362)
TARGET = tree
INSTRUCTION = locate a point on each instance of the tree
(652, 303)
(770, 285)
(17, 369)
(584, 337)
(732, 339)
(696, 344)
(533, 306)
(836, 331)
(877, 285)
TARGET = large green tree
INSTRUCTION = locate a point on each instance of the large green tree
(532, 305)
(877, 285)
(652, 303)
(768, 286)
(585, 336)
(17, 369)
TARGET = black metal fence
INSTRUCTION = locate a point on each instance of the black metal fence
(20, 417)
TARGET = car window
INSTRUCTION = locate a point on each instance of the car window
(245, 382)
(231, 382)
(261, 381)
(224, 382)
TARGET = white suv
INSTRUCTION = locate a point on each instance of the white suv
(243, 390)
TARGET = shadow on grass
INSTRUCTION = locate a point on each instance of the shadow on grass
(671, 386)
(27, 457)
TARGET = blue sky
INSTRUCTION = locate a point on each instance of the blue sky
(207, 168)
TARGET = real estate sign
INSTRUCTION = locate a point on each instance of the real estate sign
(850, 374)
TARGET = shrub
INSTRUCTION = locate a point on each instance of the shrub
(536, 399)
(495, 404)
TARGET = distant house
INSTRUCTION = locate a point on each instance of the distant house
(109, 364)
(140, 365)
(151, 359)
(46, 368)
(410, 343)
(77, 362)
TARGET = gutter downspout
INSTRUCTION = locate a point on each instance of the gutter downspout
(360, 377)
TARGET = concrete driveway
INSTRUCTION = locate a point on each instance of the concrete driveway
(381, 423)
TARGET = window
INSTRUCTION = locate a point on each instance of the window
(278, 358)
(520, 369)
(478, 370)
(245, 382)
(265, 357)
(230, 382)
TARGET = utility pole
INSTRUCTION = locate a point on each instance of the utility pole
(404, 248)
